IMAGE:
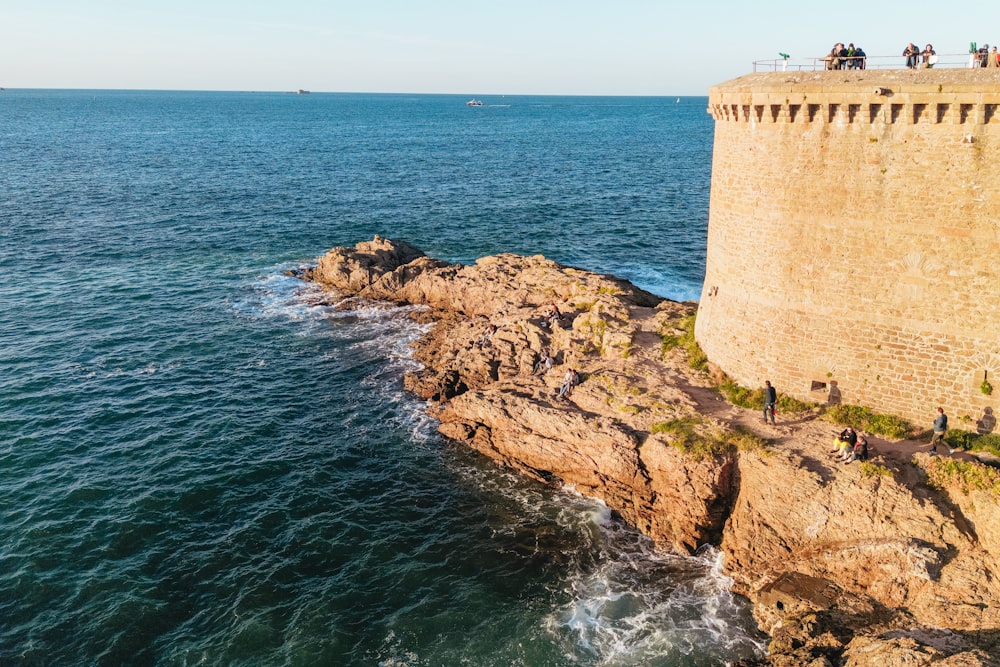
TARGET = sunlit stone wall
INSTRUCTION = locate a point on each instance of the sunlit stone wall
(853, 238)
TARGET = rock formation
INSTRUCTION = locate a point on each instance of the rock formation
(846, 564)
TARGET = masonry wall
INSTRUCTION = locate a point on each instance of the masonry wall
(853, 239)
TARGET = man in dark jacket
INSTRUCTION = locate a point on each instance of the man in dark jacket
(940, 428)
(770, 401)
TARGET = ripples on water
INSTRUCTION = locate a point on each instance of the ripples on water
(201, 462)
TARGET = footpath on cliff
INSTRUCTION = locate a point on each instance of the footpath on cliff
(890, 562)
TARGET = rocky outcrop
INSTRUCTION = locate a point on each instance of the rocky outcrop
(840, 560)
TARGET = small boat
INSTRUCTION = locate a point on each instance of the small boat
(474, 103)
(302, 92)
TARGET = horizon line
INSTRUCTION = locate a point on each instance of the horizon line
(340, 92)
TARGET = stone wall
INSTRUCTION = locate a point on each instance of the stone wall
(853, 238)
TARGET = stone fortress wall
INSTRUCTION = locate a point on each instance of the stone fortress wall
(854, 239)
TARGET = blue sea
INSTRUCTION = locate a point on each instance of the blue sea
(201, 464)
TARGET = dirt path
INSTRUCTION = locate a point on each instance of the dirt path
(808, 434)
(805, 434)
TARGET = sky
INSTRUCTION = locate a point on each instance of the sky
(471, 47)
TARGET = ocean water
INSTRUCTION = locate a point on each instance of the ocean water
(201, 464)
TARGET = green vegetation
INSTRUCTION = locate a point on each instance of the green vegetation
(986, 387)
(854, 415)
(597, 328)
(745, 441)
(741, 396)
(864, 419)
(754, 398)
(694, 437)
(683, 433)
(973, 442)
(787, 404)
(608, 290)
(869, 469)
(945, 472)
(696, 358)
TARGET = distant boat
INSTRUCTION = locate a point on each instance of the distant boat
(677, 101)
(303, 92)
(474, 103)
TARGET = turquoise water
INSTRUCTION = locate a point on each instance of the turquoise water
(200, 465)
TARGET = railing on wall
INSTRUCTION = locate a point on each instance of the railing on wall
(946, 61)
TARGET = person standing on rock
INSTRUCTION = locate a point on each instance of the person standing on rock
(940, 428)
(770, 401)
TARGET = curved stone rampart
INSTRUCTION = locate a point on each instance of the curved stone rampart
(853, 238)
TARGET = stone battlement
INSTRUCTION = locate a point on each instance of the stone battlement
(956, 113)
(910, 97)
(853, 238)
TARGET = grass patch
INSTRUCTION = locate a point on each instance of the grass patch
(793, 405)
(745, 441)
(696, 358)
(862, 418)
(693, 437)
(754, 398)
(973, 442)
(741, 396)
(869, 469)
(947, 472)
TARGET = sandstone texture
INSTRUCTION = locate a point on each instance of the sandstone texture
(847, 564)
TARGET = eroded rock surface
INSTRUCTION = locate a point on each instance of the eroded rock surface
(844, 566)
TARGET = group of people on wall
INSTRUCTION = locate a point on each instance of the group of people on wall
(984, 56)
(845, 57)
(854, 57)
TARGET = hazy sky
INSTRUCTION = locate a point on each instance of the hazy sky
(470, 47)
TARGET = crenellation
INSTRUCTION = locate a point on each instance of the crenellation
(854, 113)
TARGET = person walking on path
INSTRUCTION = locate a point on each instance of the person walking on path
(770, 401)
(940, 428)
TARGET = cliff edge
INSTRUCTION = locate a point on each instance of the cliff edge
(846, 564)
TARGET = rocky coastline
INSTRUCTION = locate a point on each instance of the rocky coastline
(844, 566)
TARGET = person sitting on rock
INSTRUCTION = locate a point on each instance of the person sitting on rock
(552, 317)
(544, 364)
(859, 452)
(570, 380)
(845, 441)
(484, 340)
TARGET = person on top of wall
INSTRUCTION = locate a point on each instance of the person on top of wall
(911, 52)
(849, 61)
(835, 58)
(983, 54)
(859, 57)
(928, 57)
